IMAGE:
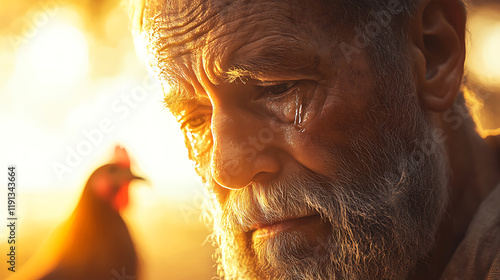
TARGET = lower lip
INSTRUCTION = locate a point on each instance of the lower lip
(294, 224)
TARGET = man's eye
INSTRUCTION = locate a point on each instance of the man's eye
(279, 88)
(195, 122)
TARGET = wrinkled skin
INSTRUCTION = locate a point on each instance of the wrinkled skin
(283, 125)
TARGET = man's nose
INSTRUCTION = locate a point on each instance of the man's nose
(243, 149)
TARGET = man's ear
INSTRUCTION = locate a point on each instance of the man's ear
(437, 38)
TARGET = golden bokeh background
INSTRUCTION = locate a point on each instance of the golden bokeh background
(65, 68)
(72, 86)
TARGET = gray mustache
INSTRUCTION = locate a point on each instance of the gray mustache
(278, 201)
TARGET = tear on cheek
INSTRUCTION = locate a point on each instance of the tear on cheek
(300, 107)
(295, 108)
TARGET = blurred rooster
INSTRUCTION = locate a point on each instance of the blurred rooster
(94, 243)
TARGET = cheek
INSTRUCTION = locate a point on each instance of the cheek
(343, 119)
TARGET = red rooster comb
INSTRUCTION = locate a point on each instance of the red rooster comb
(120, 156)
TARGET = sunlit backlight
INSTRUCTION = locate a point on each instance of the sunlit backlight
(59, 54)
(476, 108)
(484, 53)
(491, 52)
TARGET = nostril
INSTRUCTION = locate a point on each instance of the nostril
(238, 173)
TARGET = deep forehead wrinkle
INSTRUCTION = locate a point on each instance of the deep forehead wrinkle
(176, 30)
(209, 29)
(173, 30)
(183, 86)
(262, 37)
(272, 57)
(254, 40)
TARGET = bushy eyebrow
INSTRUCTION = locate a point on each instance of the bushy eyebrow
(275, 63)
(173, 101)
(180, 94)
(177, 101)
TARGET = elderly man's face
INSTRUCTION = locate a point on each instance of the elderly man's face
(319, 167)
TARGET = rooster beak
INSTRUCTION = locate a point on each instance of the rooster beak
(135, 177)
(138, 178)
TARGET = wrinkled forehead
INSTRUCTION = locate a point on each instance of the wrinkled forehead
(221, 36)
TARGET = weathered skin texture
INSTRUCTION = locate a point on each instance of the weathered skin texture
(266, 94)
(270, 49)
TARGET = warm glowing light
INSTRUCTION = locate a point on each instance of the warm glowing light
(71, 88)
(483, 59)
(483, 65)
(491, 52)
(476, 107)
(59, 55)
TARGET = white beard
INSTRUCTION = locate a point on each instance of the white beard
(382, 223)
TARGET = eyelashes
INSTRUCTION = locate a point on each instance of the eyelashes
(278, 89)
